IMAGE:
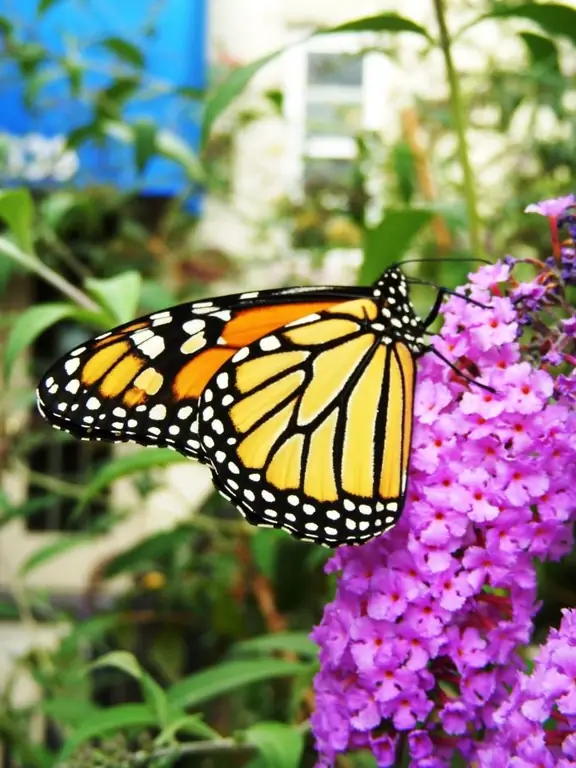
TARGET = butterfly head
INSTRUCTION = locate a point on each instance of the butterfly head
(391, 292)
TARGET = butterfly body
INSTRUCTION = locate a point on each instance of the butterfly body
(299, 401)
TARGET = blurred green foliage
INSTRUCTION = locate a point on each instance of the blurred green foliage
(202, 656)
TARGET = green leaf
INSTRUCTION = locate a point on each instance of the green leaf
(168, 145)
(190, 724)
(106, 721)
(53, 549)
(122, 660)
(542, 51)
(123, 466)
(45, 5)
(228, 676)
(119, 295)
(69, 711)
(145, 554)
(30, 507)
(6, 27)
(8, 612)
(125, 51)
(292, 642)
(128, 663)
(28, 326)
(554, 18)
(17, 210)
(280, 745)
(264, 545)
(172, 147)
(145, 144)
(382, 22)
(232, 85)
(156, 697)
(87, 632)
(388, 241)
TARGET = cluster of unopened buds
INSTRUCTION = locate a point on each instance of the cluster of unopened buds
(423, 649)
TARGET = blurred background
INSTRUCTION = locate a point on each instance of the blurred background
(153, 152)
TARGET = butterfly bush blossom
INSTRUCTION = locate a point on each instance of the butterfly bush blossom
(548, 693)
(422, 643)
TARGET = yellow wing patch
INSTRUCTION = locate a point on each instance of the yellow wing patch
(101, 362)
(255, 449)
(320, 480)
(120, 376)
(253, 373)
(331, 372)
(255, 407)
(285, 469)
(358, 465)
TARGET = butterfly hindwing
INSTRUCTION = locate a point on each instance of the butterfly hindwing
(141, 381)
(308, 428)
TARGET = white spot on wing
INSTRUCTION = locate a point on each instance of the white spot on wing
(303, 320)
(73, 386)
(269, 343)
(153, 347)
(160, 315)
(142, 335)
(224, 314)
(194, 326)
(158, 412)
(240, 355)
(70, 366)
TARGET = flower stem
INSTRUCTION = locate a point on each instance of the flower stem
(26, 260)
(458, 113)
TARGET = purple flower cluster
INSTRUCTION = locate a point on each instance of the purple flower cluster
(548, 695)
(420, 645)
(561, 214)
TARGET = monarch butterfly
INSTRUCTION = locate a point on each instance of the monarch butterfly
(300, 400)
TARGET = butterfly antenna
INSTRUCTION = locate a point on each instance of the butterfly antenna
(460, 373)
(454, 260)
(447, 292)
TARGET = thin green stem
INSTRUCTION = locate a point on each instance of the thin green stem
(195, 748)
(458, 113)
(61, 487)
(35, 265)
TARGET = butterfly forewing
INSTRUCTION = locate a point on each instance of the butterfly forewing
(308, 429)
(141, 381)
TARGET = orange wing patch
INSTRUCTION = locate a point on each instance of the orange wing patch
(191, 379)
(251, 324)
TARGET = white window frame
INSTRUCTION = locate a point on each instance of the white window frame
(376, 73)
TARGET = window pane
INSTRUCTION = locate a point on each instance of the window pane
(323, 119)
(335, 69)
